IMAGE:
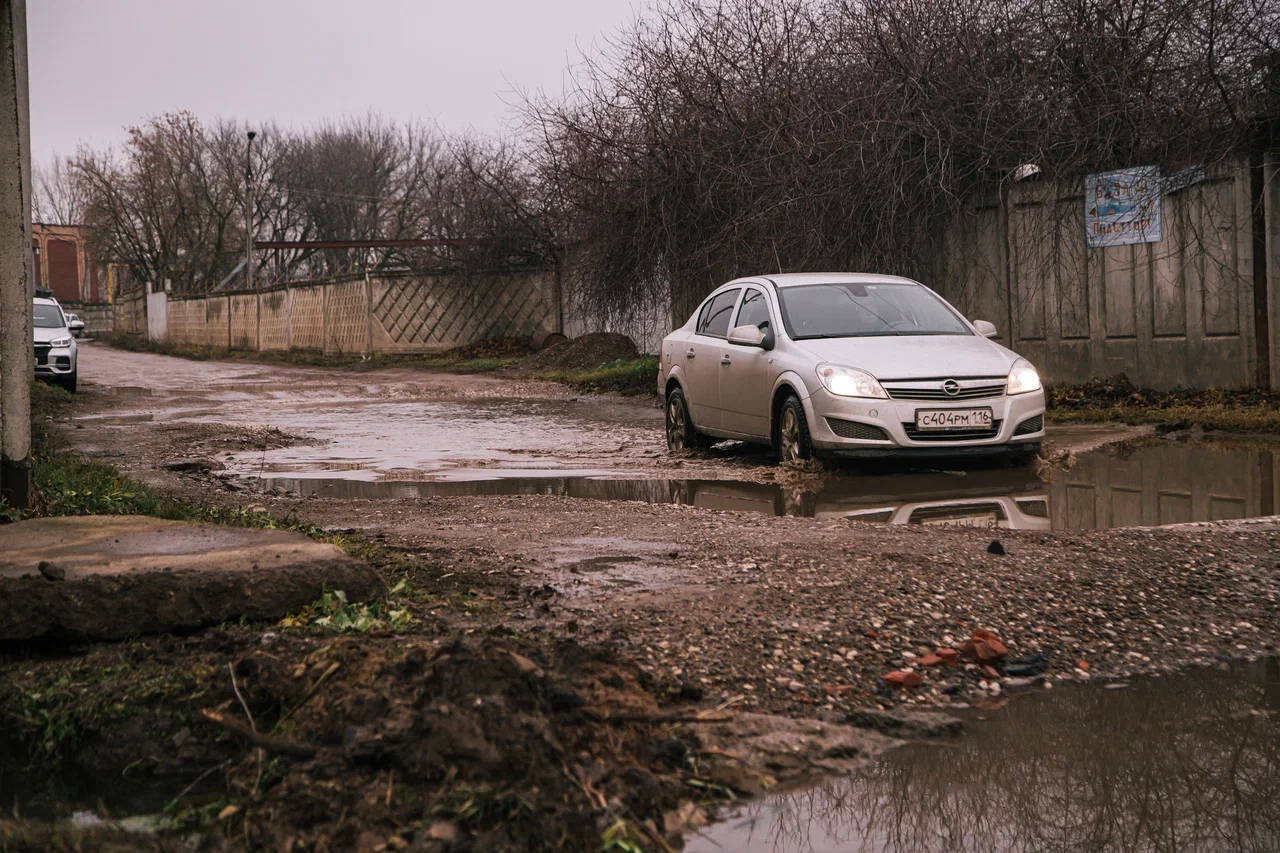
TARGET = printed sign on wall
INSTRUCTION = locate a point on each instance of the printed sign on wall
(1123, 207)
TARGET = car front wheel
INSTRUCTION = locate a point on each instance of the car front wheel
(68, 381)
(793, 442)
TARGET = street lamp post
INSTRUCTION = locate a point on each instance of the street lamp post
(248, 212)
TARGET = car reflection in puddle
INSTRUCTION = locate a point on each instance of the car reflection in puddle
(995, 499)
(999, 498)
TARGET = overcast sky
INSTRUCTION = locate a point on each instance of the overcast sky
(99, 65)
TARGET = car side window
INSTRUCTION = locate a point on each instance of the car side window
(714, 319)
(754, 310)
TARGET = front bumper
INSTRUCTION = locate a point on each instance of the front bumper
(873, 428)
(58, 361)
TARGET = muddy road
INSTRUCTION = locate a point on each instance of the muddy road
(720, 568)
(526, 511)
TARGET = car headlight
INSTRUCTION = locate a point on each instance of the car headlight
(850, 382)
(1023, 378)
(60, 342)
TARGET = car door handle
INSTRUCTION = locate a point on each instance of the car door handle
(724, 359)
(690, 353)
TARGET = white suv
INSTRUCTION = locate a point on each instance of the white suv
(55, 345)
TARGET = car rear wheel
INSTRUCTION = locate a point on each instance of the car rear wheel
(793, 442)
(681, 434)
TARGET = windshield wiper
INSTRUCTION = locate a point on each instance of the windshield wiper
(890, 333)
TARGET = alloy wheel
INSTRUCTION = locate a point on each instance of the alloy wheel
(675, 424)
(789, 436)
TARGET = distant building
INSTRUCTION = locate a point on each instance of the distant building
(65, 264)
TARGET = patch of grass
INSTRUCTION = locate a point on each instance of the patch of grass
(334, 613)
(1116, 399)
(631, 378)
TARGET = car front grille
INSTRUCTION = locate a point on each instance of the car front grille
(976, 392)
(42, 353)
(1030, 425)
(854, 429)
(916, 434)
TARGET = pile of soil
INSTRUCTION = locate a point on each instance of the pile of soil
(585, 353)
(373, 743)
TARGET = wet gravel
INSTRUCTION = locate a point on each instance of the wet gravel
(808, 616)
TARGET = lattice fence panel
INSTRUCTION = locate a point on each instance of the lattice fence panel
(346, 318)
(306, 317)
(441, 312)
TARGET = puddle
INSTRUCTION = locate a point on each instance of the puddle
(1165, 483)
(1183, 763)
(435, 436)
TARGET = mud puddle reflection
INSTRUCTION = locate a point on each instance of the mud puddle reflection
(1185, 763)
(1164, 483)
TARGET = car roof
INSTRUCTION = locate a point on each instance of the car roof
(794, 279)
(40, 300)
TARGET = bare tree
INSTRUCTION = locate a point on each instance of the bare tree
(709, 140)
(58, 196)
(170, 203)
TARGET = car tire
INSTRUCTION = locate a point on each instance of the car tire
(68, 382)
(792, 442)
(681, 434)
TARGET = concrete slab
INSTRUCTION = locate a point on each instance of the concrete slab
(108, 577)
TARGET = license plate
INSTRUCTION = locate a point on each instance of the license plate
(940, 420)
(985, 519)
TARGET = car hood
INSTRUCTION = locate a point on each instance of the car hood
(43, 336)
(915, 356)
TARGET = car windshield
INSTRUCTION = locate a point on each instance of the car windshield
(46, 317)
(866, 310)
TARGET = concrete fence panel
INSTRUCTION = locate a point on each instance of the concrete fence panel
(306, 317)
(274, 319)
(217, 322)
(390, 314)
(346, 318)
(1174, 313)
(244, 320)
(434, 313)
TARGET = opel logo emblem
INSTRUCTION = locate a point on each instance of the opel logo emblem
(951, 387)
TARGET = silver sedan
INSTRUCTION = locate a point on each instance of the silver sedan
(843, 364)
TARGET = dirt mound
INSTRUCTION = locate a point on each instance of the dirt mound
(488, 744)
(585, 353)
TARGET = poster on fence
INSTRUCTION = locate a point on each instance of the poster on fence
(1123, 207)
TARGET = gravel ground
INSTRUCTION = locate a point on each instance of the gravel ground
(796, 615)
(800, 615)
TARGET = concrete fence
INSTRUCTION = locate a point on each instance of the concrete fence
(365, 315)
(1198, 309)
(99, 317)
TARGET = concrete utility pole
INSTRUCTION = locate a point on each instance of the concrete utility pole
(248, 212)
(16, 348)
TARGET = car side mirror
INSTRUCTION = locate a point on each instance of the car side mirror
(985, 328)
(748, 336)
